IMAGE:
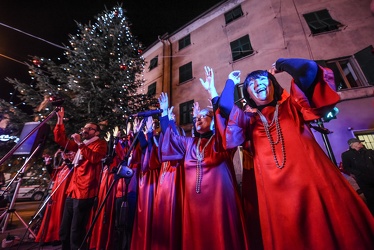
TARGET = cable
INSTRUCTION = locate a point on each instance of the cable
(41, 39)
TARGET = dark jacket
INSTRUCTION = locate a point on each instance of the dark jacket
(359, 163)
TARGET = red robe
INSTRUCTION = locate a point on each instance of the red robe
(167, 207)
(50, 227)
(124, 232)
(104, 225)
(103, 231)
(213, 218)
(147, 186)
(85, 178)
(307, 204)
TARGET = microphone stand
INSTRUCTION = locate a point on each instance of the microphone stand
(123, 172)
(324, 132)
(44, 204)
(49, 197)
(5, 216)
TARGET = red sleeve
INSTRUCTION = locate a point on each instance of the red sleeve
(236, 128)
(322, 100)
(95, 153)
(173, 147)
(62, 140)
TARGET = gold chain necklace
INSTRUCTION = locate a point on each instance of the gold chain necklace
(200, 158)
(270, 138)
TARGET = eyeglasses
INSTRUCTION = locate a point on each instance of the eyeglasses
(88, 128)
(203, 116)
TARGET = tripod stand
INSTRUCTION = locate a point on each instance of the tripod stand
(6, 214)
(11, 209)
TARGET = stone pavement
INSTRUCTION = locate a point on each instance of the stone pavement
(17, 234)
(23, 240)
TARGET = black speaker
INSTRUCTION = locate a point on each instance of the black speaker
(38, 137)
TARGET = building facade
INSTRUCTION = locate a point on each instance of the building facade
(248, 35)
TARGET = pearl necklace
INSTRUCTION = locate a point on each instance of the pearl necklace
(270, 138)
(200, 158)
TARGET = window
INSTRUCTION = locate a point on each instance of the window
(152, 89)
(185, 112)
(365, 59)
(367, 136)
(352, 71)
(185, 72)
(241, 47)
(184, 42)
(321, 21)
(233, 14)
(153, 63)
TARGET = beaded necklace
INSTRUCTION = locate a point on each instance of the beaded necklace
(164, 171)
(270, 138)
(200, 158)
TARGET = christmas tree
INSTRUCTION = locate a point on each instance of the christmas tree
(98, 78)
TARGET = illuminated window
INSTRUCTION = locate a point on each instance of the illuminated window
(367, 136)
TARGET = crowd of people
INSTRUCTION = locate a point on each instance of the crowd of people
(161, 189)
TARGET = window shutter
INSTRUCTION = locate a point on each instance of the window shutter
(365, 59)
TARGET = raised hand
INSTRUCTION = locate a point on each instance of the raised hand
(163, 100)
(209, 78)
(128, 129)
(235, 76)
(107, 136)
(208, 84)
(149, 124)
(171, 115)
(273, 70)
(116, 131)
(195, 109)
(136, 125)
(60, 115)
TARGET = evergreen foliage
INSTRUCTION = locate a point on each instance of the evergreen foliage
(99, 78)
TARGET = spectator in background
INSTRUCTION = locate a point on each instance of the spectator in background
(4, 122)
(60, 173)
(359, 162)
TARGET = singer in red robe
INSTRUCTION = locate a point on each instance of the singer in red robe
(126, 193)
(103, 229)
(167, 207)
(212, 217)
(147, 186)
(304, 201)
(50, 226)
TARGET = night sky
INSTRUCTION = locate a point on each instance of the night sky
(53, 20)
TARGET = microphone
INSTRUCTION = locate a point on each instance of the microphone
(80, 133)
(56, 101)
(148, 113)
